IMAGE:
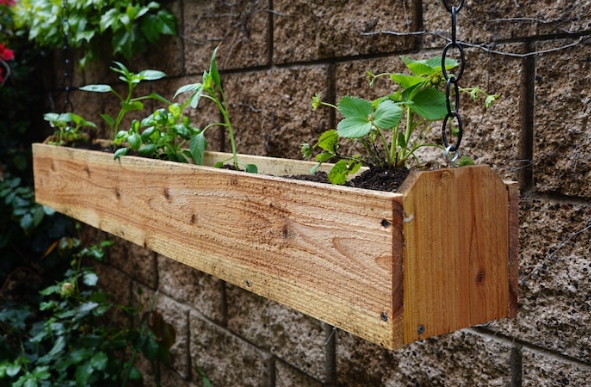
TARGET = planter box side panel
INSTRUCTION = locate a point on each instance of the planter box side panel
(456, 262)
(323, 250)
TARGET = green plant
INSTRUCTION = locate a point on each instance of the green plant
(391, 128)
(129, 25)
(68, 128)
(210, 88)
(78, 343)
(128, 103)
(161, 135)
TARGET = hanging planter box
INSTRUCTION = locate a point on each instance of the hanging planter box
(393, 268)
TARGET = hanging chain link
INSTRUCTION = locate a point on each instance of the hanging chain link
(452, 84)
(67, 55)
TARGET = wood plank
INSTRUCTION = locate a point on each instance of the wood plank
(455, 254)
(320, 249)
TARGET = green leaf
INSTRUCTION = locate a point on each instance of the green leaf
(251, 168)
(38, 216)
(134, 140)
(387, 115)
(405, 80)
(13, 369)
(131, 106)
(430, 104)
(354, 127)
(85, 309)
(353, 107)
(420, 69)
(83, 373)
(213, 68)
(329, 141)
(120, 152)
(338, 173)
(190, 87)
(151, 75)
(90, 279)
(197, 148)
(110, 121)
(323, 157)
(99, 361)
(97, 88)
(148, 149)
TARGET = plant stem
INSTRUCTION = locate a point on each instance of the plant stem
(223, 109)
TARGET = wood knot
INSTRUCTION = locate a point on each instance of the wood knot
(480, 277)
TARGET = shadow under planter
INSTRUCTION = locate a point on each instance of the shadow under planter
(393, 268)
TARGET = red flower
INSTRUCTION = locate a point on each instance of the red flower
(1, 78)
(5, 53)
(9, 3)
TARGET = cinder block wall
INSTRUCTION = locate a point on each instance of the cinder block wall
(275, 55)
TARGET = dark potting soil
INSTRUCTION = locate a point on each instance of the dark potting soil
(376, 178)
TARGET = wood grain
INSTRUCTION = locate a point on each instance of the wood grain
(320, 249)
(441, 254)
(456, 246)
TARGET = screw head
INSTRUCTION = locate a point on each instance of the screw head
(421, 329)
(384, 316)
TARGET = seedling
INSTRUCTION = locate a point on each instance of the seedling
(391, 128)
(68, 128)
(210, 88)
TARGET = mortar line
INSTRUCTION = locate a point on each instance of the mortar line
(563, 199)
(527, 114)
(511, 341)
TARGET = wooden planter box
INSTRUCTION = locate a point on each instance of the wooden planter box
(392, 268)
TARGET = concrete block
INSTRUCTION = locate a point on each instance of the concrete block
(240, 28)
(288, 376)
(138, 262)
(296, 338)
(562, 160)
(462, 358)
(271, 110)
(225, 358)
(555, 262)
(306, 30)
(543, 369)
(191, 287)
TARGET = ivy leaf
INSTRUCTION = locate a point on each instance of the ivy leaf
(353, 107)
(83, 373)
(90, 279)
(430, 103)
(387, 115)
(197, 148)
(99, 361)
(354, 127)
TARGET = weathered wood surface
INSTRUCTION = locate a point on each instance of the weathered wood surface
(456, 266)
(339, 254)
(320, 249)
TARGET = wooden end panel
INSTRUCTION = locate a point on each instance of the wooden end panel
(513, 191)
(456, 228)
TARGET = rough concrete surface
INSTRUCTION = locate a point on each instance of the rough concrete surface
(543, 369)
(297, 339)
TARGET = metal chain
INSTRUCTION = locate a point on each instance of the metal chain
(67, 55)
(451, 84)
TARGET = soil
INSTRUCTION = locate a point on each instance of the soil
(376, 178)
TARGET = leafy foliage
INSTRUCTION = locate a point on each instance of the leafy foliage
(128, 103)
(74, 340)
(391, 128)
(129, 25)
